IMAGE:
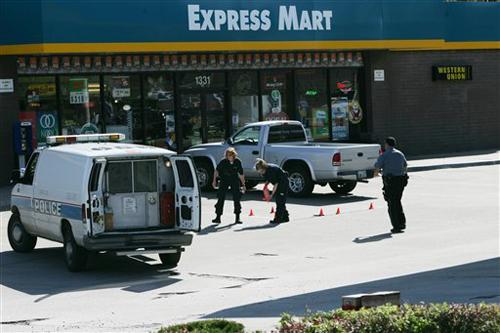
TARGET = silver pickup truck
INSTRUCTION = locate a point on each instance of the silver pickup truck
(341, 165)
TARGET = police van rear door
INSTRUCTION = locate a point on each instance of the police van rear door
(187, 194)
(96, 197)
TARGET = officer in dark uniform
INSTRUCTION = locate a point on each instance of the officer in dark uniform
(279, 178)
(231, 176)
(393, 165)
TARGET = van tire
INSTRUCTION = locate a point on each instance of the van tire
(300, 181)
(170, 259)
(20, 240)
(343, 186)
(75, 256)
(205, 172)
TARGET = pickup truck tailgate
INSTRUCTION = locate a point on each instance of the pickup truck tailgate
(358, 157)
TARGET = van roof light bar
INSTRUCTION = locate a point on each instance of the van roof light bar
(68, 139)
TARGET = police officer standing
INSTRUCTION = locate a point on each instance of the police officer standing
(231, 176)
(279, 178)
(393, 165)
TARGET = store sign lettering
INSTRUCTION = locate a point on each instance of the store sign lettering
(289, 19)
(452, 73)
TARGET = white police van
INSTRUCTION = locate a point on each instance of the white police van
(93, 193)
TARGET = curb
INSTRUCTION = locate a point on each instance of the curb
(451, 166)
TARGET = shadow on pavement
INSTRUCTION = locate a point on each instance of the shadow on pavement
(315, 199)
(259, 227)
(43, 272)
(215, 228)
(470, 283)
(374, 238)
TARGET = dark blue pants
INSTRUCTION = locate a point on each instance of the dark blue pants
(221, 196)
(393, 192)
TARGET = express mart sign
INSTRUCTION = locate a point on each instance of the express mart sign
(288, 19)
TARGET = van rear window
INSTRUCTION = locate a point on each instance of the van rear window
(145, 176)
(130, 177)
(120, 177)
(185, 175)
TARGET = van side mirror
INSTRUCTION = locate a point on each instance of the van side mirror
(230, 141)
(15, 176)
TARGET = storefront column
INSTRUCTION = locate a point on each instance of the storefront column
(9, 109)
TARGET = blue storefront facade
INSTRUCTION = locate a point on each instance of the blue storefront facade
(178, 73)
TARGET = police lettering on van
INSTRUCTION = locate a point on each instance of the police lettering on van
(47, 207)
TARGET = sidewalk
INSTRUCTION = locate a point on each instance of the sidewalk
(421, 163)
(468, 159)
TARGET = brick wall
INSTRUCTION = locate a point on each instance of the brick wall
(8, 115)
(432, 117)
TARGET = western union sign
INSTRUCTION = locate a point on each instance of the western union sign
(451, 73)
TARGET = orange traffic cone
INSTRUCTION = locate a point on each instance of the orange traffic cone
(272, 209)
(251, 213)
(371, 206)
(338, 211)
(321, 212)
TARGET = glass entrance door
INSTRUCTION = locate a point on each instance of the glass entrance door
(203, 117)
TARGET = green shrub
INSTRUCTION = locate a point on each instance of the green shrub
(206, 326)
(432, 318)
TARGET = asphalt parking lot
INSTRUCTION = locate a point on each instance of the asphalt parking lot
(255, 271)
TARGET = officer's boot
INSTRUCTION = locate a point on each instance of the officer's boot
(237, 219)
(216, 219)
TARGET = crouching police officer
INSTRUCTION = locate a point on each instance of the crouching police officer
(393, 164)
(230, 172)
(279, 178)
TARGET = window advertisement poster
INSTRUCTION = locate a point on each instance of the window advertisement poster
(120, 86)
(78, 91)
(320, 123)
(340, 119)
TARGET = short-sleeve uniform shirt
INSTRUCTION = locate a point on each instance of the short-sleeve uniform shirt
(274, 174)
(230, 171)
(392, 162)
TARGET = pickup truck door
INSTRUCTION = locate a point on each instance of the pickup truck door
(96, 198)
(248, 144)
(187, 194)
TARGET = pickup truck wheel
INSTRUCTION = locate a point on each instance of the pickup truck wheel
(20, 240)
(170, 259)
(205, 175)
(75, 256)
(251, 184)
(344, 186)
(300, 182)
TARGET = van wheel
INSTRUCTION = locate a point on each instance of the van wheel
(20, 240)
(205, 175)
(170, 259)
(74, 255)
(299, 180)
(344, 186)
(251, 184)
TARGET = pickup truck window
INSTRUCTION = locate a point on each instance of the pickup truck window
(29, 173)
(248, 136)
(286, 133)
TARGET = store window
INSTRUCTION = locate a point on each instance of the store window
(244, 98)
(159, 110)
(122, 106)
(38, 105)
(311, 95)
(346, 111)
(276, 95)
(80, 104)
